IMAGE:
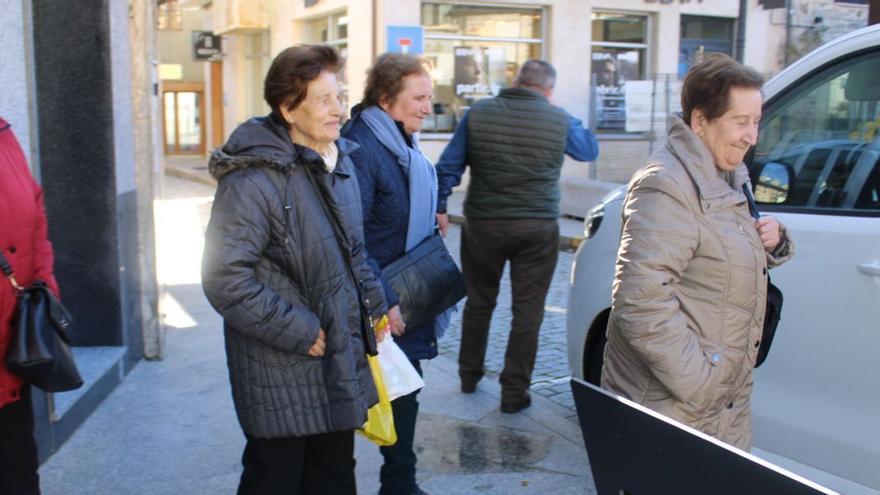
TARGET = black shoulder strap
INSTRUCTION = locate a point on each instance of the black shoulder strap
(334, 216)
(753, 207)
(4, 265)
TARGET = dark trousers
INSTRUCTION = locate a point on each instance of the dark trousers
(18, 448)
(532, 247)
(315, 464)
(398, 473)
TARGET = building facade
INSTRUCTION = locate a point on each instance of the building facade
(75, 87)
(619, 62)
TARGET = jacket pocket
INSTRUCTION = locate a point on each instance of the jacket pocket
(712, 395)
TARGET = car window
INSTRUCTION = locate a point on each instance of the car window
(819, 145)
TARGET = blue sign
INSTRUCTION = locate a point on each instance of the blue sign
(406, 39)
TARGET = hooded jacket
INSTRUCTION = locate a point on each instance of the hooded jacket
(24, 242)
(689, 292)
(274, 270)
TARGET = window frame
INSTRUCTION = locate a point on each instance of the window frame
(784, 96)
(648, 51)
(499, 39)
(461, 38)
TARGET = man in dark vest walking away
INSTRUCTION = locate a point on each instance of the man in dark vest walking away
(515, 145)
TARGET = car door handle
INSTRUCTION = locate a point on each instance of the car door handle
(870, 269)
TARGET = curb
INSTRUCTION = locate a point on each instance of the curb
(566, 243)
(186, 174)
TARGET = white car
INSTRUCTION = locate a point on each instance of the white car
(816, 167)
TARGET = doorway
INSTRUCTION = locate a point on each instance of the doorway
(183, 118)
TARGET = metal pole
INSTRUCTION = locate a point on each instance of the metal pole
(741, 32)
(653, 109)
(785, 55)
(668, 107)
(594, 119)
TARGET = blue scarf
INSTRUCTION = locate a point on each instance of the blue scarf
(422, 184)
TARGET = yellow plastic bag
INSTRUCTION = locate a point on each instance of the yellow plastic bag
(379, 427)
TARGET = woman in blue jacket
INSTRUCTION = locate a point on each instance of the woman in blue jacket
(399, 197)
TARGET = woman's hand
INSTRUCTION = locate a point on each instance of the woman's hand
(317, 349)
(768, 229)
(395, 322)
(443, 223)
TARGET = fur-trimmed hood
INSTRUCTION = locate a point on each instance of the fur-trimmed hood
(262, 142)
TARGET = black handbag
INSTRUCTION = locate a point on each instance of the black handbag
(39, 350)
(773, 313)
(427, 281)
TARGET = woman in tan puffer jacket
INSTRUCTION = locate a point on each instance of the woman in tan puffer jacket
(690, 288)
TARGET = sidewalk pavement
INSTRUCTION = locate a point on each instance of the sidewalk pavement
(571, 230)
(170, 428)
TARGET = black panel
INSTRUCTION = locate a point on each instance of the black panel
(75, 115)
(634, 453)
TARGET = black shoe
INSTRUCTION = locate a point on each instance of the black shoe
(468, 388)
(419, 491)
(517, 406)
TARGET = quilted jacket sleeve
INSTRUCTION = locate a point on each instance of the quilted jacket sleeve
(366, 177)
(784, 251)
(660, 235)
(236, 238)
(377, 295)
(371, 285)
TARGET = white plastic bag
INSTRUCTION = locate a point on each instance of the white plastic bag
(401, 378)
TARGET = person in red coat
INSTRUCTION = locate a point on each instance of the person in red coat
(25, 244)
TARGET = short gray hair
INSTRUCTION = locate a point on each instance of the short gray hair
(537, 74)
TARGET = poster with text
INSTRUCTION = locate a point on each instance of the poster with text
(612, 68)
(479, 71)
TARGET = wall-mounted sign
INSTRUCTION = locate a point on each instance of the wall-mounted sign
(405, 39)
(206, 45)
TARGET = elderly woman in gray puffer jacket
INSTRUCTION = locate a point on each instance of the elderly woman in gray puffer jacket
(290, 286)
(690, 290)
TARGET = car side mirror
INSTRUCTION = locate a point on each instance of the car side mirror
(773, 183)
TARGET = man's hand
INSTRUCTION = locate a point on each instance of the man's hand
(443, 223)
(317, 349)
(768, 229)
(395, 322)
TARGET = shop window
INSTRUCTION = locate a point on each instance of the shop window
(169, 16)
(475, 51)
(703, 35)
(253, 71)
(619, 54)
(332, 30)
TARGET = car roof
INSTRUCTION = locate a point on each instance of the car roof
(856, 41)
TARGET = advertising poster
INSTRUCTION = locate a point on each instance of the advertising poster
(611, 70)
(639, 105)
(479, 71)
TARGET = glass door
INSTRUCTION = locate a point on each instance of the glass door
(183, 119)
